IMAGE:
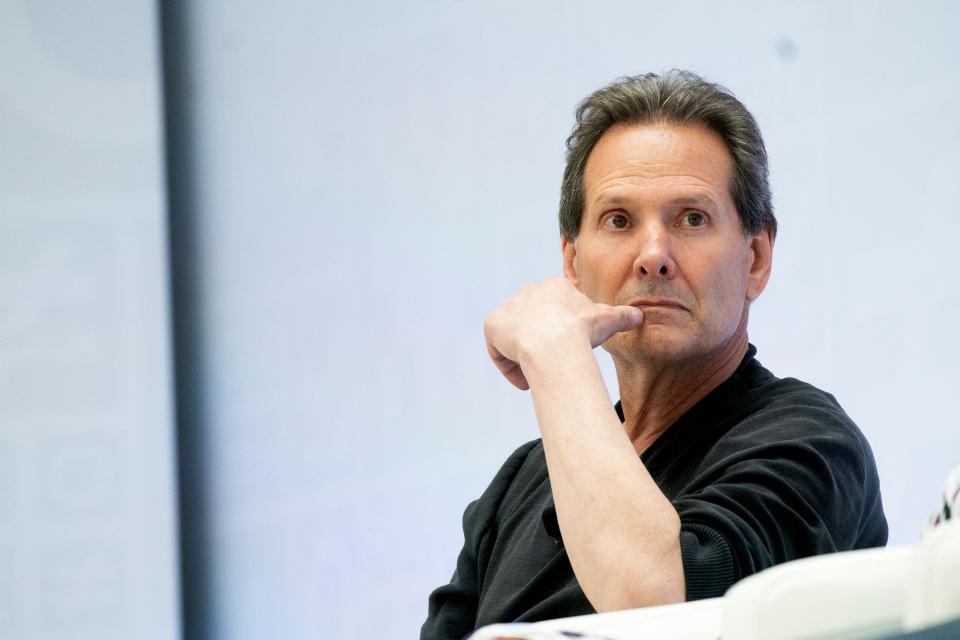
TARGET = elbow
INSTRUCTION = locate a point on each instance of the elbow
(636, 596)
(646, 586)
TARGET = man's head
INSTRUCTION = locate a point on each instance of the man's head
(680, 98)
(659, 222)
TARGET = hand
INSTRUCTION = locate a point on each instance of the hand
(549, 315)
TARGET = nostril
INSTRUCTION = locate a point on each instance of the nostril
(643, 270)
(663, 270)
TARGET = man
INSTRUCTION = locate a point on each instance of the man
(709, 468)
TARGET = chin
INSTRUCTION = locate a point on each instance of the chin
(651, 342)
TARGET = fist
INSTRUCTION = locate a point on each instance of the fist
(550, 315)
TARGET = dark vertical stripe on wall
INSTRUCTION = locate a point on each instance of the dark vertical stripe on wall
(178, 96)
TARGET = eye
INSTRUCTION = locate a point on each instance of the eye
(693, 219)
(617, 221)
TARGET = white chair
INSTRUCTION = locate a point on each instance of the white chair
(856, 594)
(933, 591)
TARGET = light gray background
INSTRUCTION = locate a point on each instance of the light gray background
(372, 181)
(376, 179)
(87, 544)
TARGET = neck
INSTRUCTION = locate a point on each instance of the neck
(654, 395)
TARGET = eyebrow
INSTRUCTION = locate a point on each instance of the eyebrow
(620, 199)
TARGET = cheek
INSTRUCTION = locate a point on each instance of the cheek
(601, 277)
(726, 284)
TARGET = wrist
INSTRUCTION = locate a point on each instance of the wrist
(555, 354)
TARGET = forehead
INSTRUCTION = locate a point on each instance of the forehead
(688, 161)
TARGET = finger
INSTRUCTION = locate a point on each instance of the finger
(516, 378)
(510, 369)
(613, 320)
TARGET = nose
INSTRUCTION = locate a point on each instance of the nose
(655, 256)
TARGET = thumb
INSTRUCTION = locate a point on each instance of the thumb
(613, 320)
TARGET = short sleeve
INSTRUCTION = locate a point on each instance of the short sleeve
(786, 483)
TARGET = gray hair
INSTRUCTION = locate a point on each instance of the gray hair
(676, 97)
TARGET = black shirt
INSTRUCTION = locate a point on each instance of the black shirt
(761, 471)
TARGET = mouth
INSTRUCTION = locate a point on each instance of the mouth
(657, 303)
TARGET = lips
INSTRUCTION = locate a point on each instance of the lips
(657, 303)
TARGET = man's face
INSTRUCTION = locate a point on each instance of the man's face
(660, 231)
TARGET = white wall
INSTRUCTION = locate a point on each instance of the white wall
(374, 180)
(87, 546)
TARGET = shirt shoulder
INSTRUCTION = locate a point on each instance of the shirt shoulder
(790, 411)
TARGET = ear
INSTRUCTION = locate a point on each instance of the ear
(569, 249)
(761, 261)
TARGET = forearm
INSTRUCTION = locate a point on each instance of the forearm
(621, 533)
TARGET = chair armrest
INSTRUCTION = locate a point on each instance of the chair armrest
(853, 594)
